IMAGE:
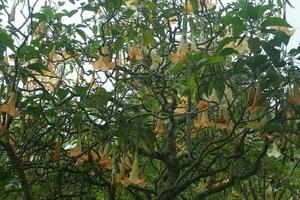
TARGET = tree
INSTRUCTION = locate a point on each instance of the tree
(148, 100)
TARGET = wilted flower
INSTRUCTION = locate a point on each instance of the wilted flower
(122, 167)
(254, 95)
(105, 162)
(135, 53)
(10, 106)
(180, 54)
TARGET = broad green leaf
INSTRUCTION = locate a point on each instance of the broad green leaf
(275, 21)
(6, 40)
(148, 38)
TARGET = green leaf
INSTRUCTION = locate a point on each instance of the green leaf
(212, 60)
(192, 83)
(275, 21)
(148, 38)
(81, 90)
(219, 87)
(194, 5)
(6, 40)
(38, 67)
(62, 93)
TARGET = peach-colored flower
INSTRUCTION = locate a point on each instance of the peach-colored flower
(57, 151)
(40, 29)
(10, 106)
(204, 122)
(94, 155)
(2, 129)
(131, 4)
(223, 121)
(105, 162)
(180, 54)
(159, 128)
(122, 167)
(294, 95)
(75, 151)
(188, 8)
(78, 154)
(286, 30)
(135, 53)
(181, 108)
(203, 105)
(134, 176)
(103, 64)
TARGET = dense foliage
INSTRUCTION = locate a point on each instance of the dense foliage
(140, 99)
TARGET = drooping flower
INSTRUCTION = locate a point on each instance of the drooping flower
(286, 30)
(188, 8)
(131, 4)
(40, 29)
(159, 128)
(94, 155)
(180, 54)
(122, 167)
(135, 53)
(253, 100)
(2, 129)
(57, 151)
(10, 106)
(103, 64)
(223, 121)
(134, 177)
(105, 162)
(182, 106)
(203, 105)
(204, 122)
(75, 151)
(294, 95)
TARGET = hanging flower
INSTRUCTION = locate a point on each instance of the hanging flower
(75, 151)
(180, 54)
(57, 151)
(294, 95)
(223, 121)
(253, 100)
(135, 53)
(131, 4)
(105, 162)
(10, 106)
(181, 108)
(188, 8)
(286, 30)
(203, 105)
(94, 155)
(122, 167)
(134, 176)
(40, 29)
(159, 128)
(193, 44)
(103, 64)
(2, 129)
(204, 122)
(78, 154)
